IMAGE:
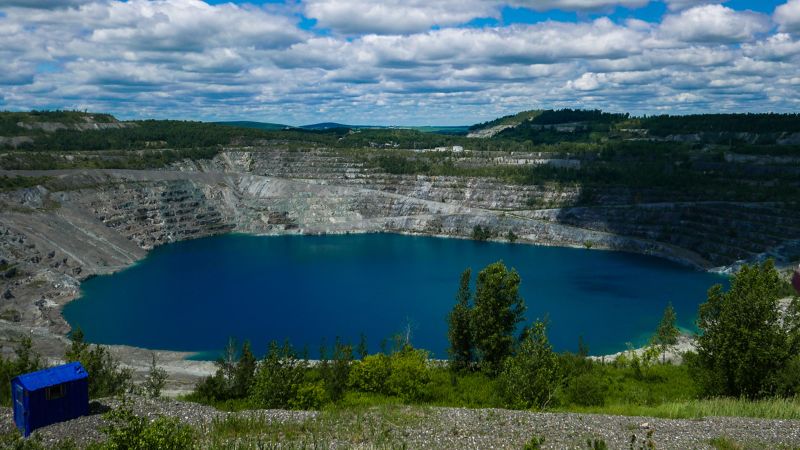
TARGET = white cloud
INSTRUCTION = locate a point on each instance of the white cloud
(394, 16)
(41, 4)
(578, 5)
(189, 59)
(678, 5)
(788, 16)
(715, 24)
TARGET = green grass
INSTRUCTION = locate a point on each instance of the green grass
(783, 409)
(377, 427)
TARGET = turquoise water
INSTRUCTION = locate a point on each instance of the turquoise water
(193, 295)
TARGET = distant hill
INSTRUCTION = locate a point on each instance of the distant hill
(333, 125)
(254, 125)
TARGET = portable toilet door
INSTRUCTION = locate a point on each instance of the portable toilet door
(20, 399)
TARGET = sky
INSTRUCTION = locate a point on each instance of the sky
(397, 62)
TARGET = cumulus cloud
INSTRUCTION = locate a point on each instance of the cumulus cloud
(788, 16)
(394, 16)
(715, 24)
(578, 5)
(190, 59)
(41, 4)
(678, 5)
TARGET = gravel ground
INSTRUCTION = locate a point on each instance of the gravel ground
(424, 427)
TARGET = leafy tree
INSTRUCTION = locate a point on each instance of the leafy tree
(409, 375)
(530, 378)
(462, 347)
(336, 372)
(106, 377)
(480, 233)
(244, 372)
(155, 380)
(278, 378)
(497, 312)
(370, 374)
(746, 340)
(363, 350)
(667, 332)
(25, 360)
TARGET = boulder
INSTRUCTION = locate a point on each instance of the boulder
(8, 295)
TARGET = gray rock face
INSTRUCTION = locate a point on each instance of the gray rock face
(105, 220)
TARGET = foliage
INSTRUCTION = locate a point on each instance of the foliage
(667, 332)
(155, 380)
(335, 373)
(13, 183)
(480, 233)
(25, 360)
(233, 377)
(588, 389)
(531, 377)
(535, 443)
(409, 374)
(459, 331)
(106, 377)
(278, 378)
(370, 374)
(746, 340)
(127, 431)
(497, 312)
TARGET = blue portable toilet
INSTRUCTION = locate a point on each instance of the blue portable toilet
(49, 396)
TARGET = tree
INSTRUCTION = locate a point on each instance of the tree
(497, 312)
(746, 340)
(155, 380)
(667, 332)
(459, 332)
(363, 349)
(531, 377)
(106, 377)
(244, 372)
(278, 378)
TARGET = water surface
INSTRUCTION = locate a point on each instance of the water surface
(193, 295)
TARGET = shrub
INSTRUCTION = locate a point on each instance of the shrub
(232, 380)
(106, 377)
(278, 378)
(336, 372)
(409, 374)
(155, 380)
(130, 432)
(371, 373)
(309, 396)
(25, 360)
(530, 378)
(586, 389)
(746, 339)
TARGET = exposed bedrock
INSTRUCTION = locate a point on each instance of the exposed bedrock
(92, 222)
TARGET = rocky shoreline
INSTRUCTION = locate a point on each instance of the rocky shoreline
(80, 223)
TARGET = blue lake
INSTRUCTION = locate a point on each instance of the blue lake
(193, 295)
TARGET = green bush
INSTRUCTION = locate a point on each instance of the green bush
(25, 360)
(747, 341)
(410, 374)
(371, 373)
(587, 389)
(278, 378)
(309, 396)
(530, 378)
(127, 431)
(106, 377)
